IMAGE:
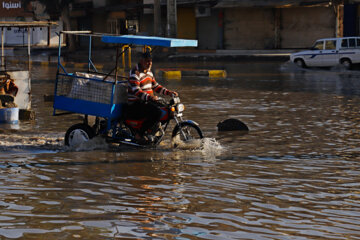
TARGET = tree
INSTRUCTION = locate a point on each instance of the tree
(57, 9)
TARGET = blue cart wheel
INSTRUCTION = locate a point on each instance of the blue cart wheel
(78, 134)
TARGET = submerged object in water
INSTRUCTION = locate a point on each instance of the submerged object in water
(232, 124)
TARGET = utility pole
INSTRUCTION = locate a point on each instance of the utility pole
(171, 26)
(157, 18)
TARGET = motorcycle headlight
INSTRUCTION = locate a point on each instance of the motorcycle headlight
(180, 107)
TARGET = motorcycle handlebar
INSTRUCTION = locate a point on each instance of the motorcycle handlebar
(162, 101)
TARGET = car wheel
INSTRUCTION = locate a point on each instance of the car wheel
(300, 63)
(346, 63)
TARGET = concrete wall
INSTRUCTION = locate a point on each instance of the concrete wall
(22, 81)
(269, 28)
(99, 24)
(300, 27)
(147, 24)
(248, 28)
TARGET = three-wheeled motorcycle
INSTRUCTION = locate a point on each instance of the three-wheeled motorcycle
(104, 96)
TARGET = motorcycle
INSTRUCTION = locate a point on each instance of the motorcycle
(104, 95)
(123, 131)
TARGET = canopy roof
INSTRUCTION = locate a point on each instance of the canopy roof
(137, 40)
(149, 40)
(26, 24)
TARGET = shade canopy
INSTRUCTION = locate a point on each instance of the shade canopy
(149, 41)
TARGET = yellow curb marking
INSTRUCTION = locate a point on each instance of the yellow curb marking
(172, 74)
(217, 73)
(80, 65)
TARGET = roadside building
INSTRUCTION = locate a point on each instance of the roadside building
(110, 16)
(15, 11)
(223, 24)
(254, 24)
(259, 24)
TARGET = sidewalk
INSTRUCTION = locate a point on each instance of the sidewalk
(278, 54)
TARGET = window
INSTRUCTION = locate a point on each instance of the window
(352, 43)
(330, 44)
(318, 45)
(358, 42)
(112, 26)
(344, 43)
(132, 26)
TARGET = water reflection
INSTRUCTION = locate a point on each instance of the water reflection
(295, 174)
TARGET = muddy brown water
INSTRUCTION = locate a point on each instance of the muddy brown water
(295, 175)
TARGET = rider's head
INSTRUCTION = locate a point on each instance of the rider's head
(146, 61)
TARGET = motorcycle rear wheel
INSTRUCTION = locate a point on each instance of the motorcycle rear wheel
(78, 134)
(186, 132)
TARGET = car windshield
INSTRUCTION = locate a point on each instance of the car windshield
(319, 45)
(330, 44)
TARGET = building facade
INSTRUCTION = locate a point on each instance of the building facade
(15, 11)
(220, 24)
(217, 24)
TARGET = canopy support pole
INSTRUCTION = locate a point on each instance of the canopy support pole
(2, 48)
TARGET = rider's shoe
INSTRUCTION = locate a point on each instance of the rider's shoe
(150, 138)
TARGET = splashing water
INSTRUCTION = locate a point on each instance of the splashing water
(211, 147)
(186, 145)
(93, 144)
(206, 146)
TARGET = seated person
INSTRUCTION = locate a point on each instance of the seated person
(8, 86)
(141, 88)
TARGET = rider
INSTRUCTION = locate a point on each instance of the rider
(141, 98)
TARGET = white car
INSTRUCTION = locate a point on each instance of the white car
(329, 52)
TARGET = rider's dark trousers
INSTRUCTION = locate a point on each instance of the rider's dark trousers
(139, 110)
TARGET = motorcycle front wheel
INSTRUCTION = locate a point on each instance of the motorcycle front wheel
(78, 134)
(186, 134)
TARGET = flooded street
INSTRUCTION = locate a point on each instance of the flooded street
(294, 175)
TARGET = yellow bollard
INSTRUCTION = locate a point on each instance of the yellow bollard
(123, 56)
(217, 73)
(129, 57)
(172, 75)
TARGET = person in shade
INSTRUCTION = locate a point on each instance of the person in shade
(142, 100)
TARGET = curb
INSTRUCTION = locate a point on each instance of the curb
(170, 74)
(230, 57)
(178, 74)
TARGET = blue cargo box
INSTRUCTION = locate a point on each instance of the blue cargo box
(90, 94)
